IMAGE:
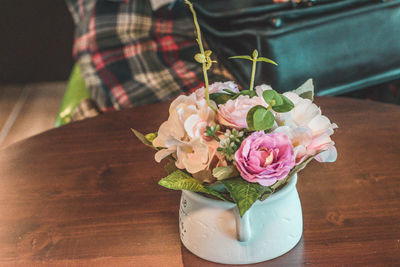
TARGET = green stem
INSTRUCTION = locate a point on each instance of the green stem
(207, 90)
(199, 41)
(253, 73)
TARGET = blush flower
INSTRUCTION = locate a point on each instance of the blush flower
(308, 130)
(183, 134)
(265, 158)
(233, 113)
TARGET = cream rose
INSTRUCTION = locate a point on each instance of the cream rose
(183, 134)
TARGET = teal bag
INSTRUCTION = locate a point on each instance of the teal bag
(342, 45)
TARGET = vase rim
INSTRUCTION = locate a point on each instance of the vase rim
(275, 196)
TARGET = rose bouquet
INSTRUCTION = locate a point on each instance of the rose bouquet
(240, 145)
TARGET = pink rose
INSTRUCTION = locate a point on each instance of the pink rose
(233, 113)
(265, 158)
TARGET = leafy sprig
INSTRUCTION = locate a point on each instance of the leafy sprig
(254, 59)
(212, 131)
(229, 145)
(260, 118)
(203, 57)
(235, 135)
(227, 148)
(277, 102)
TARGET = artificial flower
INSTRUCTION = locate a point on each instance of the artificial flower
(308, 130)
(265, 158)
(183, 134)
(234, 112)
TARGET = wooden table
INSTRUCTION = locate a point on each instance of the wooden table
(86, 194)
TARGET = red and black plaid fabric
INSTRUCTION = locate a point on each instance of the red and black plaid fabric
(131, 55)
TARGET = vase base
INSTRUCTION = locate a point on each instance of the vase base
(240, 261)
(213, 230)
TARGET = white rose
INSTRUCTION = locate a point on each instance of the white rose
(308, 130)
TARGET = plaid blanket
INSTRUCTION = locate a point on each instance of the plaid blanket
(131, 55)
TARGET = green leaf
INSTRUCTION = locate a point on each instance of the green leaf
(249, 118)
(270, 95)
(222, 173)
(179, 180)
(208, 53)
(242, 57)
(264, 59)
(263, 119)
(217, 186)
(249, 93)
(220, 98)
(200, 58)
(243, 193)
(286, 106)
(143, 139)
(306, 90)
(259, 118)
(151, 136)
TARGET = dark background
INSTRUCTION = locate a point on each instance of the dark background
(36, 41)
(36, 45)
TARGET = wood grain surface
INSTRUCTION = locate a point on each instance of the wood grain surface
(86, 194)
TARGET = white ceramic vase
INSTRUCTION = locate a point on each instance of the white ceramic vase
(213, 230)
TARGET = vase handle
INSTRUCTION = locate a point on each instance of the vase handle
(243, 229)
